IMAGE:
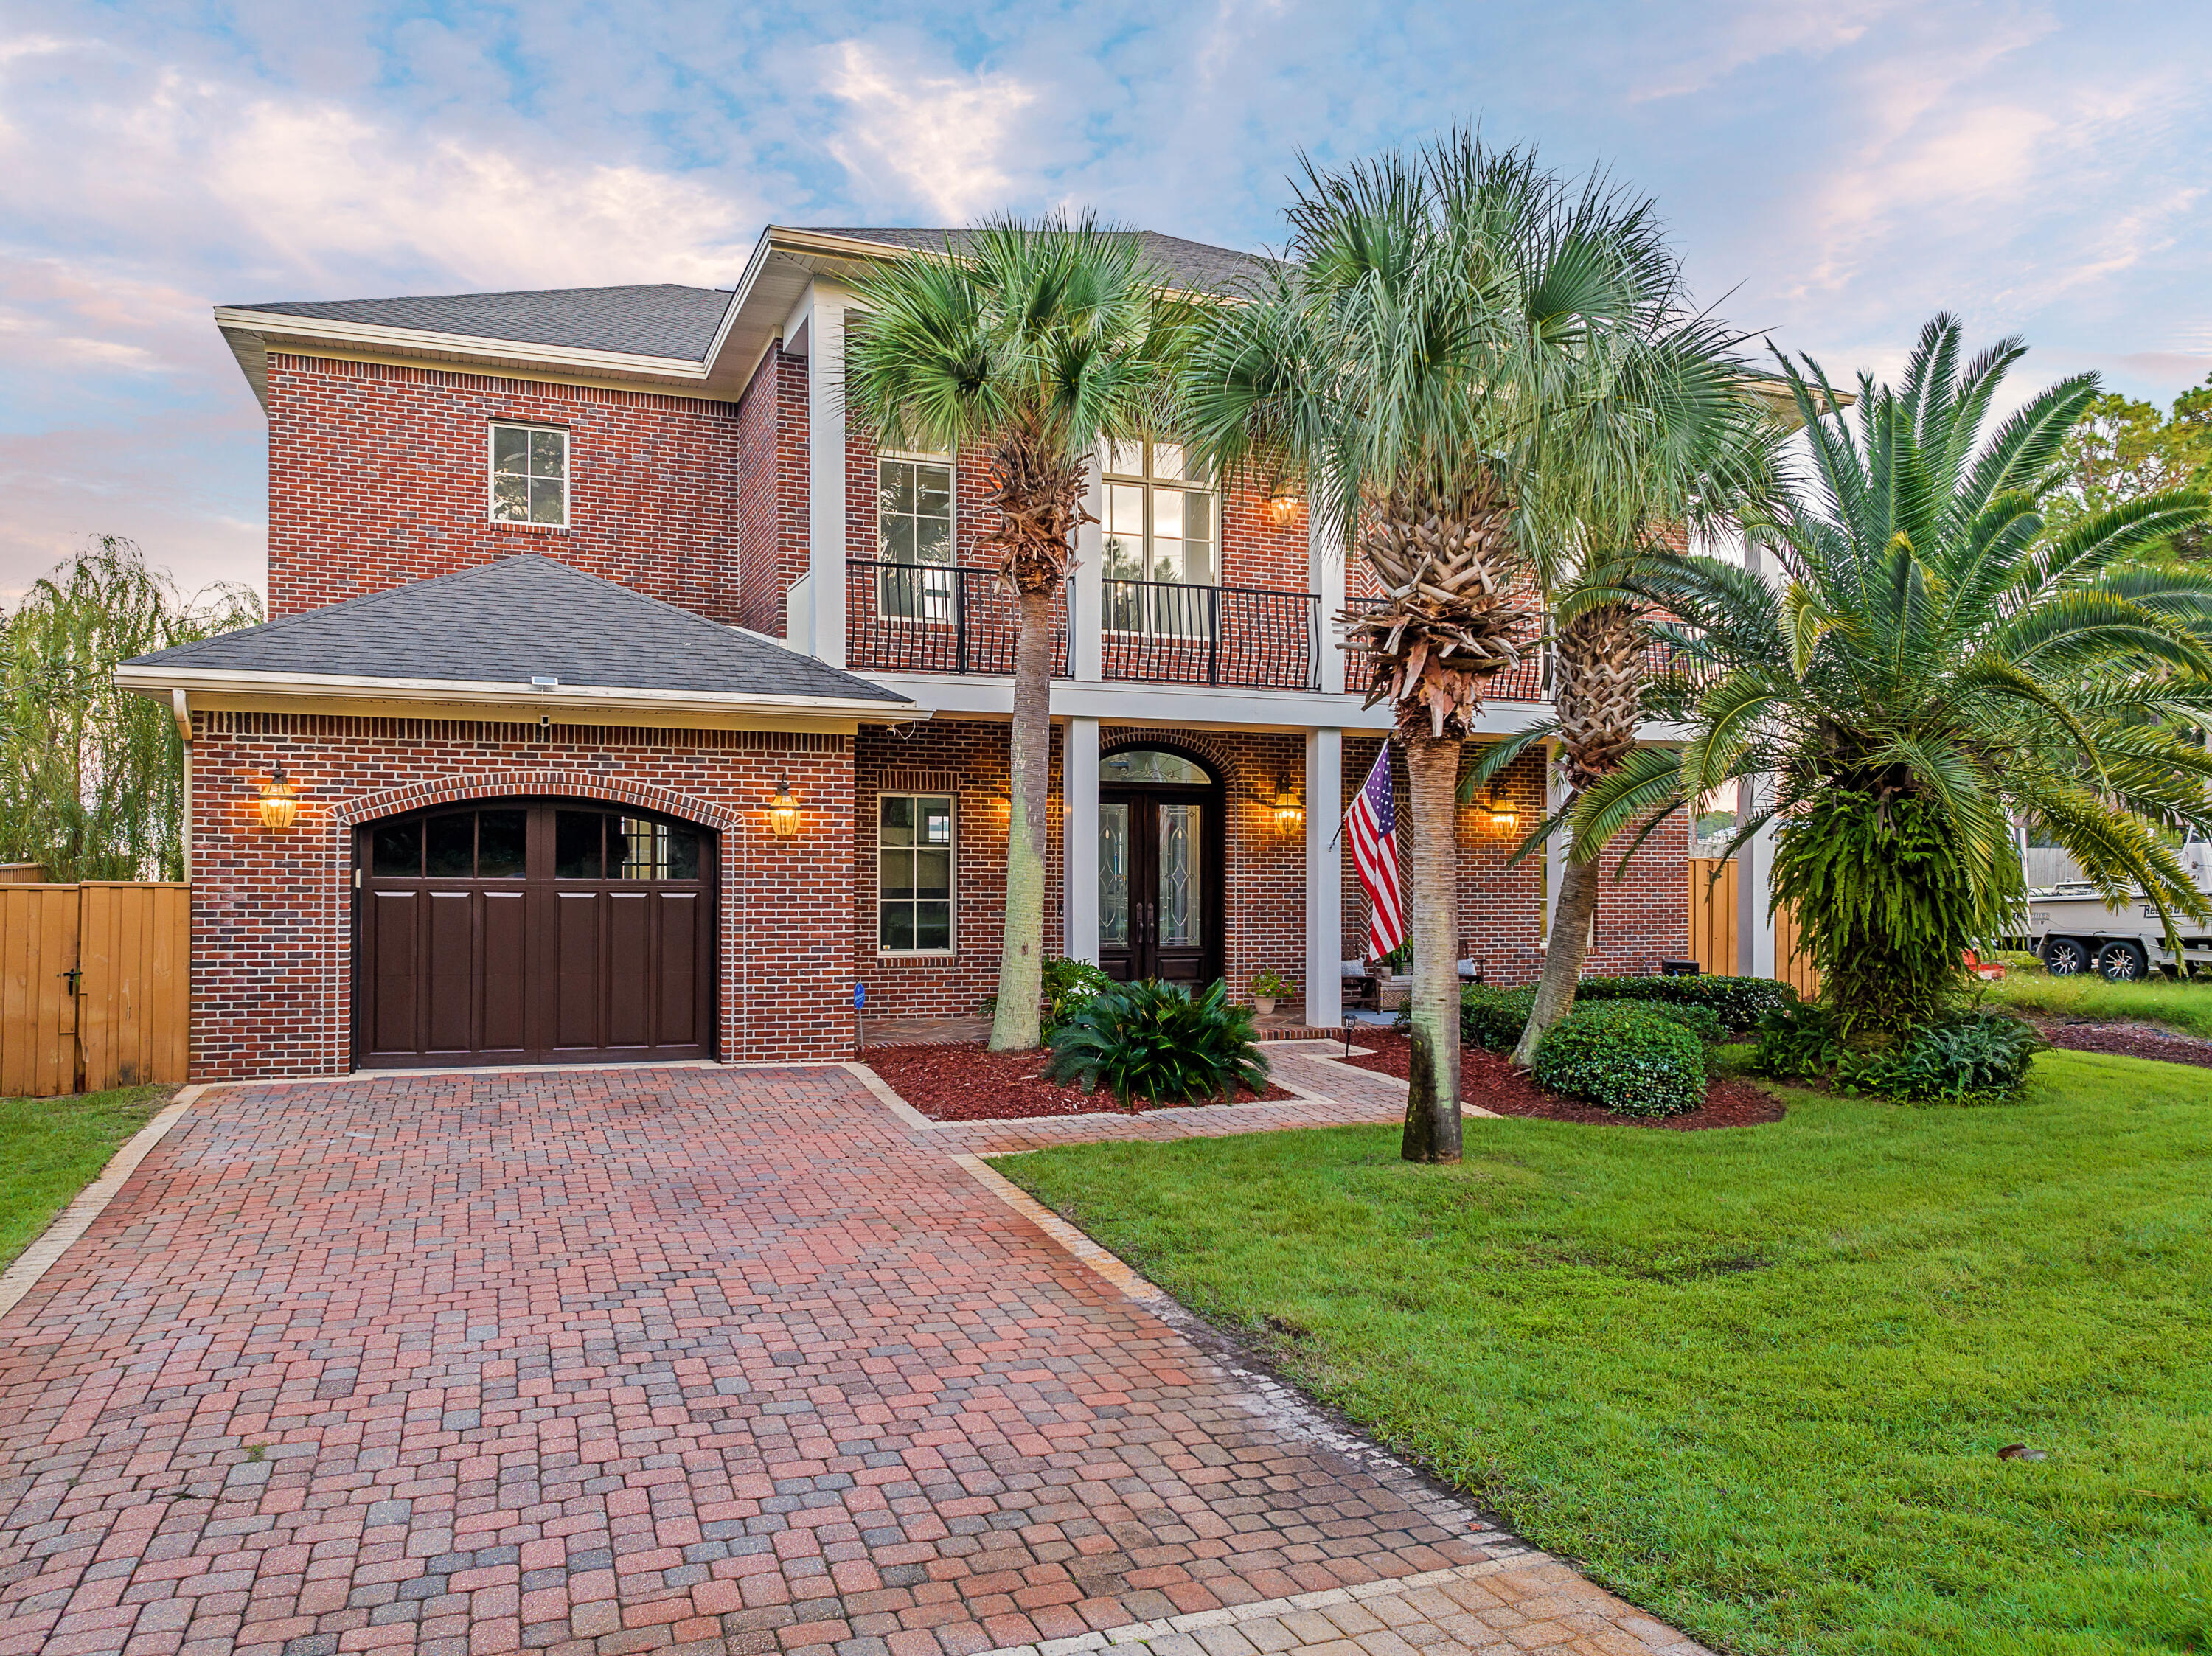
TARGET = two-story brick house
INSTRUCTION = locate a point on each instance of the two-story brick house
(630, 704)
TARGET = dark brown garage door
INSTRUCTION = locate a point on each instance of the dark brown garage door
(532, 932)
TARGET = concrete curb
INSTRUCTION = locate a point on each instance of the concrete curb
(73, 1220)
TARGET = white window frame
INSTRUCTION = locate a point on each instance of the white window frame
(567, 475)
(937, 607)
(951, 945)
(1148, 621)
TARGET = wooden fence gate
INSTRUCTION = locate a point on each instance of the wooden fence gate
(1713, 935)
(94, 986)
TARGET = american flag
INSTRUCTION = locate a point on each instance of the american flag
(1374, 820)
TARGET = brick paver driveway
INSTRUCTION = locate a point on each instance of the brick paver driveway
(610, 1360)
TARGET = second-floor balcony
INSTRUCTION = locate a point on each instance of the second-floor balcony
(937, 618)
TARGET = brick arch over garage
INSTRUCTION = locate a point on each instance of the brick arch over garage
(538, 783)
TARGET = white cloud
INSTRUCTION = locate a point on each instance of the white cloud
(946, 138)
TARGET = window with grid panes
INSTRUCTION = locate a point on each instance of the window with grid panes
(530, 476)
(913, 873)
(1160, 525)
(914, 531)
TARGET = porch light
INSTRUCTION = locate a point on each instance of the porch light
(1289, 813)
(1283, 505)
(1502, 816)
(783, 812)
(280, 802)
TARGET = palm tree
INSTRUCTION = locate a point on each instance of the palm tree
(1405, 357)
(1934, 663)
(1031, 341)
(1669, 436)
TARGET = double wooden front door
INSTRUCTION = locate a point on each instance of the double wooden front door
(527, 931)
(1159, 884)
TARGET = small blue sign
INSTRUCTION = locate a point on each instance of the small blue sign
(860, 996)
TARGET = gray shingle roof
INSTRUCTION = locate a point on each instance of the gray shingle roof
(1199, 266)
(660, 320)
(520, 618)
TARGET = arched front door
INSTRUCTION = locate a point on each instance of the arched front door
(532, 932)
(1159, 867)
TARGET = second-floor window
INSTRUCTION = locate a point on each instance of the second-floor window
(914, 531)
(1160, 525)
(530, 476)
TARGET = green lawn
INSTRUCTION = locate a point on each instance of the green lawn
(2184, 1006)
(1756, 1380)
(52, 1148)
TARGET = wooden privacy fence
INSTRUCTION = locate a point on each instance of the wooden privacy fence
(1713, 935)
(94, 986)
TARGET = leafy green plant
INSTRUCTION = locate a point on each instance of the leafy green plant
(1398, 962)
(1965, 1057)
(1738, 1003)
(1634, 1060)
(1271, 984)
(1977, 1055)
(1067, 985)
(1158, 1042)
(1493, 1019)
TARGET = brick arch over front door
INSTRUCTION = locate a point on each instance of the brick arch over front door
(532, 930)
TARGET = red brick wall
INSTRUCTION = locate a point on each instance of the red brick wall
(271, 913)
(378, 476)
(1642, 918)
(967, 759)
(773, 528)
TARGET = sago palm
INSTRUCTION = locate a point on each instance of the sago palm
(1929, 666)
(1032, 342)
(1405, 359)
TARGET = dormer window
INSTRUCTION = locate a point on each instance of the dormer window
(530, 476)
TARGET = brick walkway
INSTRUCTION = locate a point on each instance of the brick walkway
(723, 1362)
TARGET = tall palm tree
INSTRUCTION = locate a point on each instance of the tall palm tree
(1031, 341)
(1405, 357)
(1667, 436)
(1933, 664)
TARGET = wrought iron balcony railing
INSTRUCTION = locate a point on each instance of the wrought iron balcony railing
(1252, 637)
(935, 618)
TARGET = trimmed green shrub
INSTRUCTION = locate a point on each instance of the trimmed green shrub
(1067, 985)
(1701, 1022)
(1493, 1019)
(1738, 1003)
(1632, 1059)
(1158, 1042)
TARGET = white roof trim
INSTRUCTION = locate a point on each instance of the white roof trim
(504, 692)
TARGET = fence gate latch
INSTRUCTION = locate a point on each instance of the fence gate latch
(75, 975)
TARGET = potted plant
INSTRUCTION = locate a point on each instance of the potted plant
(1267, 988)
(1395, 971)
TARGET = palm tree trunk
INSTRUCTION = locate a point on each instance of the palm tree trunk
(1432, 1122)
(1021, 953)
(1564, 952)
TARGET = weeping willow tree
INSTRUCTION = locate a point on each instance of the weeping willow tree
(92, 776)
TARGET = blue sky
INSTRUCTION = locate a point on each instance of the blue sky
(1833, 171)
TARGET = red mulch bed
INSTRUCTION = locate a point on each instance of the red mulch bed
(2127, 1041)
(1489, 1081)
(963, 1083)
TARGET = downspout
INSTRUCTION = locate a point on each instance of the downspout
(181, 710)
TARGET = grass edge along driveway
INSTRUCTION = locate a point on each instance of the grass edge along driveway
(1755, 1379)
(52, 1148)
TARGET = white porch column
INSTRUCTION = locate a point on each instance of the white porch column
(1755, 875)
(1325, 575)
(1079, 801)
(1087, 601)
(1324, 986)
(824, 326)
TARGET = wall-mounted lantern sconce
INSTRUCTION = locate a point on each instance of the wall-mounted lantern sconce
(1289, 813)
(1502, 816)
(783, 812)
(280, 801)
